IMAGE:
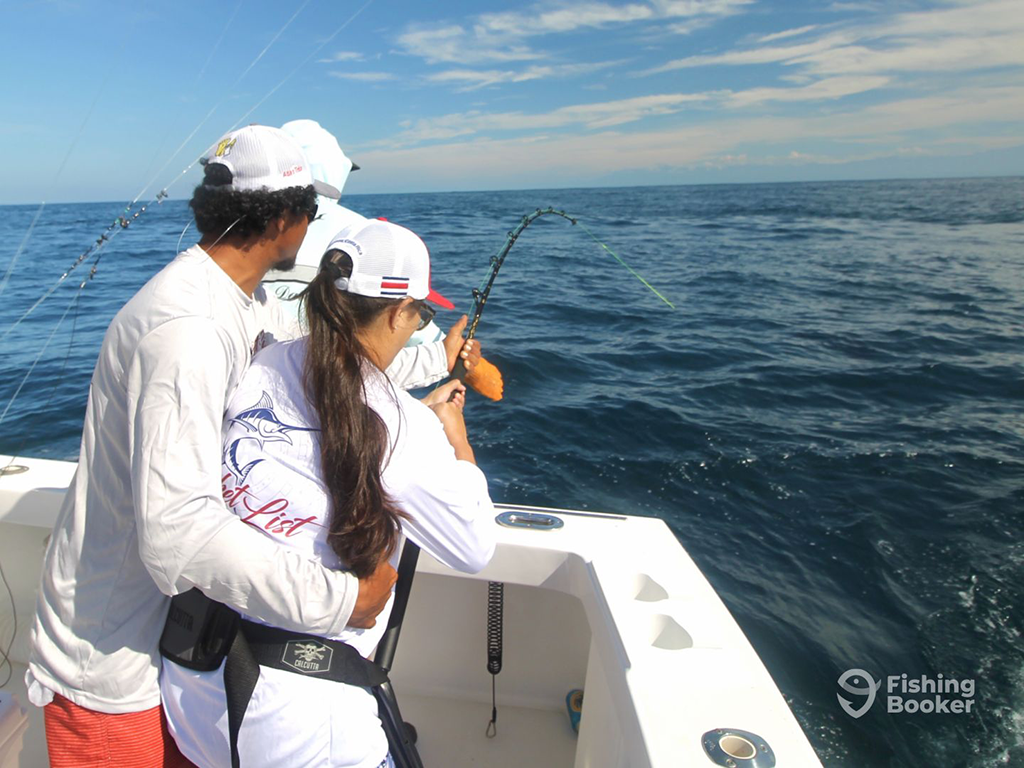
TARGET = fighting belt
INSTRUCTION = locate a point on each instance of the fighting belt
(200, 634)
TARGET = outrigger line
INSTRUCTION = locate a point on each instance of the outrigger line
(120, 223)
(127, 218)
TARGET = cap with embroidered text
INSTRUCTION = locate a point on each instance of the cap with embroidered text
(262, 157)
(388, 261)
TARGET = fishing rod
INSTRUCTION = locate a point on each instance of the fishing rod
(480, 296)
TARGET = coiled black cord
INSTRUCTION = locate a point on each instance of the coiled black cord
(495, 630)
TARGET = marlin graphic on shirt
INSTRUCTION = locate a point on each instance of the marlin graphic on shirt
(268, 428)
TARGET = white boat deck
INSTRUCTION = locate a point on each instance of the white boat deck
(610, 604)
(453, 733)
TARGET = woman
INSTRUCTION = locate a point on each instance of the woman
(323, 454)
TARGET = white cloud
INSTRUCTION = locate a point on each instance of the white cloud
(363, 77)
(752, 55)
(960, 38)
(950, 54)
(829, 88)
(873, 124)
(593, 116)
(728, 141)
(856, 7)
(454, 43)
(472, 79)
(341, 56)
(565, 19)
(787, 33)
(684, 8)
(502, 37)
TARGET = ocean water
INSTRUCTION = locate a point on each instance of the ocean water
(831, 420)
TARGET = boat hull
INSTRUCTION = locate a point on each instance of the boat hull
(611, 604)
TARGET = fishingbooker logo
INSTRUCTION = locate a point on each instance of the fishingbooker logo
(927, 695)
(859, 683)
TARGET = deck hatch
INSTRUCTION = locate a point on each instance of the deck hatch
(534, 520)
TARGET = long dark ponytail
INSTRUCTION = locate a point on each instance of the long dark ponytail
(353, 439)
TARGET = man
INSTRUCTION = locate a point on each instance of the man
(432, 353)
(144, 517)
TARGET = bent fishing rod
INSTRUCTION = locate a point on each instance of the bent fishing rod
(480, 296)
(400, 741)
(398, 735)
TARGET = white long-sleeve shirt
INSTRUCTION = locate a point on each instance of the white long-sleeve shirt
(271, 479)
(144, 517)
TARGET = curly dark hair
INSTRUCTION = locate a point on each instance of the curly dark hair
(216, 207)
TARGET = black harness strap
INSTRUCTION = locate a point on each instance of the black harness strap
(310, 655)
(241, 672)
(201, 633)
(257, 645)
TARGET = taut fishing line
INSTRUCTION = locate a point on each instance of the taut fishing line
(496, 589)
(124, 221)
(227, 95)
(57, 379)
(195, 83)
(60, 170)
(481, 293)
(305, 61)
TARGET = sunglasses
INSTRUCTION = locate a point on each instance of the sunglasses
(427, 313)
(311, 212)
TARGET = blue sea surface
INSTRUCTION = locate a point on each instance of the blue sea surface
(831, 419)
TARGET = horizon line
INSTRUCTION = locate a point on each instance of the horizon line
(576, 188)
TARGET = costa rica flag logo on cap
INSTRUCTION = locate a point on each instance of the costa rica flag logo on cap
(394, 286)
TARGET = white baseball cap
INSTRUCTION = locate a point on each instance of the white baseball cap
(262, 157)
(388, 261)
(327, 161)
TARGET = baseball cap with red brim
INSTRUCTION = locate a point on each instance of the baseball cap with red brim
(388, 261)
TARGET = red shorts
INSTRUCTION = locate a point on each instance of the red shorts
(77, 737)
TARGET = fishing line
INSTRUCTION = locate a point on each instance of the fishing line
(111, 231)
(24, 242)
(305, 61)
(5, 654)
(632, 271)
(487, 381)
(57, 379)
(124, 221)
(177, 247)
(216, 46)
(227, 95)
(41, 351)
(60, 170)
(273, 40)
(257, 104)
(74, 301)
(481, 293)
(195, 83)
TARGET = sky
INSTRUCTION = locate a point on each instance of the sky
(113, 100)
